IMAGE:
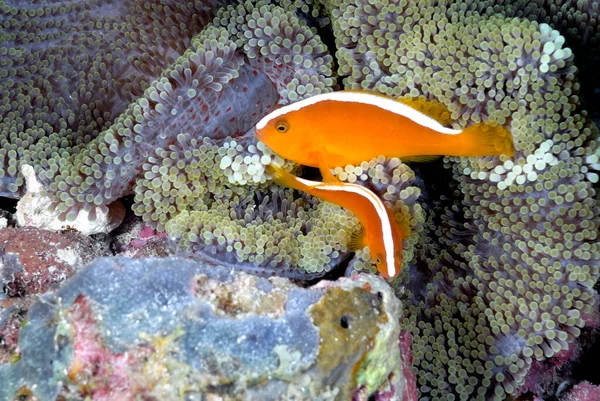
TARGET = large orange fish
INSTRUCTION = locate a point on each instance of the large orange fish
(349, 127)
(380, 231)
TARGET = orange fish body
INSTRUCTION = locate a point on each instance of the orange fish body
(349, 127)
(380, 232)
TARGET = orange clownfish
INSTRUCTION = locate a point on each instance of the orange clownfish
(380, 231)
(349, 127)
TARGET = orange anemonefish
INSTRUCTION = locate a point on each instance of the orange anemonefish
(349, 127)
(380, 231)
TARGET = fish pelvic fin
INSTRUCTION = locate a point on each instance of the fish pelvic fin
(487, 139)
(285, 179)
(326, 173)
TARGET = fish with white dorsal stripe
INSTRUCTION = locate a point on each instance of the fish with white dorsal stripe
(379, 232)
(349, 127)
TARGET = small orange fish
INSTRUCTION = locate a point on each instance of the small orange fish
(349, 127)
(379, 232)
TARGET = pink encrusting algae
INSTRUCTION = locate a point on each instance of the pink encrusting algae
(95, 371)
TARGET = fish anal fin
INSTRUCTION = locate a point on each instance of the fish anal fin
(357, 239)
(432, 108)
(326, 173)
(419, 159)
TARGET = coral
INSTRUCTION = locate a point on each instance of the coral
(268, 233)
(352, 344)
(577, 22)
(212, 95)
(32, 262)
(157, 328)
(70, 69)
(504, 270)
(32, 210)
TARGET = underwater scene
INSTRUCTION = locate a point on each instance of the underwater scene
(361, 200)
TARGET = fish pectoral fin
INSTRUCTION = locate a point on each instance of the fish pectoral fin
(326, 173)
(283, 178)
(357, 239)
(419, 159)
(277, 173)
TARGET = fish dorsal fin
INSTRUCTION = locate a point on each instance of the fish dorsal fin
(357, 239)
(419, 159)
(432, 108)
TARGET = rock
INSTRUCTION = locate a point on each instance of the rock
(583, 391)
(32, 210)
(125, 329)
(12, 313)
(135, 239)
(34, 260)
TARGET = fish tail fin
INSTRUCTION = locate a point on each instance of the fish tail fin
(487, 139)
(285, 179)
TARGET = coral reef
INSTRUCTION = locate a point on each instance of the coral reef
(135, 239)
(212, 95)
(161, 328)
(577, 22)
(283, 235)
(500, 267)
(70, 69)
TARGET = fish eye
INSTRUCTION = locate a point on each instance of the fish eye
(282, 126)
